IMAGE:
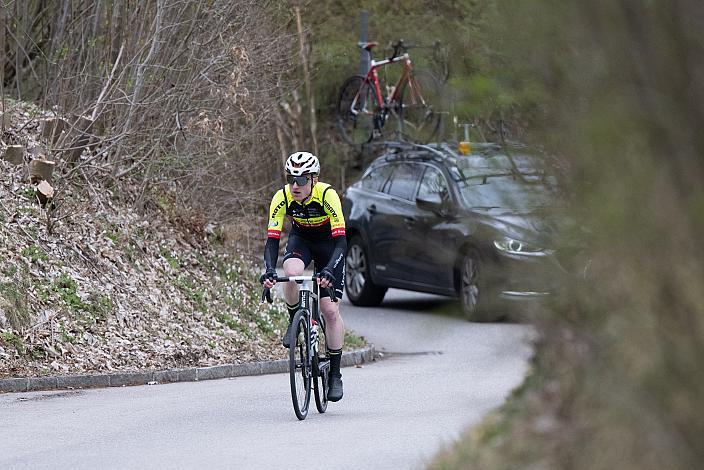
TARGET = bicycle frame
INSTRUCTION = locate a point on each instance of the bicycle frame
(308, 299)
(406, 76)
(373, 76)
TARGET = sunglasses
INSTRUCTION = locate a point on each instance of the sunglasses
(299, 180)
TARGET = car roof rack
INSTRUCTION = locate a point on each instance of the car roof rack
(446, 151)
(435, 150)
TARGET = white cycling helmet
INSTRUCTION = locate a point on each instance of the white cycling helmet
(302, 163)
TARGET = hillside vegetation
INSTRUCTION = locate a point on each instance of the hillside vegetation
(176, 93)
(88, 284)
(122, 269)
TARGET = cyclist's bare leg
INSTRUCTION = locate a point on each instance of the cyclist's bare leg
(334, 326)
(292, 267)
(334, 336)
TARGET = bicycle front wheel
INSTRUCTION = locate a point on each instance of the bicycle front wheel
(321, 372)
(356, 111)
(420, 107)
(300, 364)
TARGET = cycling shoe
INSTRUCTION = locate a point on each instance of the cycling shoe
(335, 389)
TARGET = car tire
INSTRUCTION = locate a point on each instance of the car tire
(359, 287)
(472, 289)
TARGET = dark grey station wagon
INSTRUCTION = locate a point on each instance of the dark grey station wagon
(481, 227)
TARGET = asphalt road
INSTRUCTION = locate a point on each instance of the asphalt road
(439, 374)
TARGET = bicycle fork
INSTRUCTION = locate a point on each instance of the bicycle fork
(321, 365)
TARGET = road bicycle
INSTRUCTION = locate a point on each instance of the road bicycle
(363, 111)
(309, 360)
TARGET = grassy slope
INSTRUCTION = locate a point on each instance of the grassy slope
(112, 289)
(107, 287)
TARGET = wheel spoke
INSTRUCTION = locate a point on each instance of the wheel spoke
(356, 111)
(356, 270)
(300, 371)
(359, 282)
(420, 99)
(470, 287)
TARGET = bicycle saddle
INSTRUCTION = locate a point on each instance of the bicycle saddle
(368, 46)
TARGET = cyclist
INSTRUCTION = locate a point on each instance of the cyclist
(318, 234)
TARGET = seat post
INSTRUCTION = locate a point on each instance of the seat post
(364, 59)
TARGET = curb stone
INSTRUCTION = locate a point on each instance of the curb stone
(192, 374)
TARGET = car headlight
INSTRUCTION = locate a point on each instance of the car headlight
(516, 247)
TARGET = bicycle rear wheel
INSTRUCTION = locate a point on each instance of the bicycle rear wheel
(356, 111)
(300, 365)
(420, 107)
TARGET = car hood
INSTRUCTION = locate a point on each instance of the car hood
(540, 226)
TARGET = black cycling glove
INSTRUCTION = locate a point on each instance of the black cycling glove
(326, 273)
(269, 274)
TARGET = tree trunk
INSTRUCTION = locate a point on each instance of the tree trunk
(305, 57)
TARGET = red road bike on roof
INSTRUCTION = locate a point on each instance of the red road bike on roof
(363, 111)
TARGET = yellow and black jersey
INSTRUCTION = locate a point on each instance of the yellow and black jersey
(319, 215)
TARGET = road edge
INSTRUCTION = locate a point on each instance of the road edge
(189, 374)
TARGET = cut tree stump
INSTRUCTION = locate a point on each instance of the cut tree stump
(40, 170)
(81, 135)
(52, 129)
(15, 154)
(45, 192)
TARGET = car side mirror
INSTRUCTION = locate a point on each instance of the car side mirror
(433, 205)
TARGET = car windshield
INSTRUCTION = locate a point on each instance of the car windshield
(508, 191)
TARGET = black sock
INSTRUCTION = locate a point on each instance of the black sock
(335, 358)
(292, 309)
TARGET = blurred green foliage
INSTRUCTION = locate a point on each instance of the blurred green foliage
(616, 380)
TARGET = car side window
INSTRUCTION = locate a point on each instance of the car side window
(404, 181)
(433, 186)
(374, 180)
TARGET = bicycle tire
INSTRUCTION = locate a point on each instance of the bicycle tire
(357, 110)
(420, 107)
(300, 372)
(321, 374)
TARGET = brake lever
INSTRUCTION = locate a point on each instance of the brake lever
(266, 295)
(331, 293)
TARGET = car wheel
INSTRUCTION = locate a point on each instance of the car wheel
(358, 284)
(473, 295)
